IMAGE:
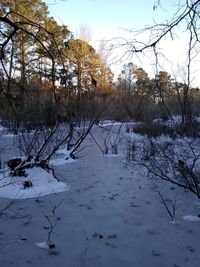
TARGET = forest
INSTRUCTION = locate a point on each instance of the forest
(48, 76)
(61, 103)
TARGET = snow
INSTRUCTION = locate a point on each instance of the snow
(61, 161)
(64, 159)
(43, 183)
(191, 218)
(63, 151)
(173, 222)
(9, 135)
(43, 245)
(110, 123)
(110, 215)
(111, 155)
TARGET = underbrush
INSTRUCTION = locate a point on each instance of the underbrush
(173, 130)
(169, 152)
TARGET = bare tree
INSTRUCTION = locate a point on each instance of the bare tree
(56, 112)
(84, 32)
(175, 161)
(186, 18)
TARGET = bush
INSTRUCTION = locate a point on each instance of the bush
(153, 129)
(156, 129)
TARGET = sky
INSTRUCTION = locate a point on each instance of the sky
(107, 19)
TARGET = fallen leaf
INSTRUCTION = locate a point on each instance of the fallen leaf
(156, 253)
(96, 235)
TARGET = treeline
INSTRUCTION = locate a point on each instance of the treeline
(144, 99)
(45, 74)
(48, 76)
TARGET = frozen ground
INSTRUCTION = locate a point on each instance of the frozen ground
(110, 217)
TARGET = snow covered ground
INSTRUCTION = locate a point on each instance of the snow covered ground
(109, 215)
(42, 183)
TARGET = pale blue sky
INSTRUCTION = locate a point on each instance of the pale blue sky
(106, 17)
